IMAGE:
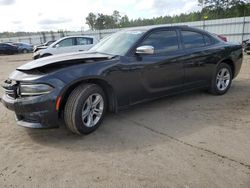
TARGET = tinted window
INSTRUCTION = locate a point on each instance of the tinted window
(66, 42)
(84, 41)
(208, 40)
(192, 39)
(162, 41)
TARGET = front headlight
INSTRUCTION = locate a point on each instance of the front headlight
(34, 89)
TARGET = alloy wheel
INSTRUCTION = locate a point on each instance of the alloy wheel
(92, 110)
(223, 79)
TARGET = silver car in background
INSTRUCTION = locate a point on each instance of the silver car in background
(67, 45)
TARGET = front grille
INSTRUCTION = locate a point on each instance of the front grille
(27, 118)
(10, 88)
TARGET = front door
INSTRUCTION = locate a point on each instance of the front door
(65, 46)
(161, 72)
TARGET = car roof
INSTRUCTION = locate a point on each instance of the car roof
(22, 43)
(10, 44)
(75, 36)
(154, 27)
(146, 28)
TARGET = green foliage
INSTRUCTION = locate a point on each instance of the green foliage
(211, 9)
(220, 4)
(91, 20)
(216, 9)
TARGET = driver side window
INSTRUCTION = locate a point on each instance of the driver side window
(66, 42)
(162, 41)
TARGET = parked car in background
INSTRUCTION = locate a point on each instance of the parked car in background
(43, 46)
(67, 45)
(246, 46)
(23, 47)
(222, 37)
(124, 69)
(7, 48)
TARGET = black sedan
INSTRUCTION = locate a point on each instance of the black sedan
(127, 68)
(6, 48)
(23, 47)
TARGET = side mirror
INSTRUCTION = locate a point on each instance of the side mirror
(57, 46)
(145, 50)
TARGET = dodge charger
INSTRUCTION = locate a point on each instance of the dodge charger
(124, 69)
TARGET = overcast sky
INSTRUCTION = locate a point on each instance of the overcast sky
(37, 15)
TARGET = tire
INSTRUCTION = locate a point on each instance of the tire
(221, 83)
(25, 51)
(79, 110)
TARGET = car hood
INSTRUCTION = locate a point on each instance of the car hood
(71, 58)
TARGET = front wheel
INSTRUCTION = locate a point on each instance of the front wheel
(85, 109)
(222, 80)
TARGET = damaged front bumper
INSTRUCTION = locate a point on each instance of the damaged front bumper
(32, 111)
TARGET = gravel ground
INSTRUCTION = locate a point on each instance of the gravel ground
(190, 140)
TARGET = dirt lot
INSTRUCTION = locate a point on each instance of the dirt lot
(190, 140)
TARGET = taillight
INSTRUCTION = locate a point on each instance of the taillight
(223, 38)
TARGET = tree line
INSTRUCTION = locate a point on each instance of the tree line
(211, 9)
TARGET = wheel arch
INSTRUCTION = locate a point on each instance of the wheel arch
(107, 88)
(25, 49)
(230, 63)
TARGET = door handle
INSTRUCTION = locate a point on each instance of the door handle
(80, 50)
(200, 63)
(194, 64)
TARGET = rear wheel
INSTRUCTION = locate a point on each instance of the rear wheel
(85, 109)
(222, 80)
(25, 51)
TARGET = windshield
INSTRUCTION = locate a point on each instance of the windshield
(118, 43)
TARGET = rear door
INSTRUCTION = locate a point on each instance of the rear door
(198, 58)
(7, 49)
(83, 43)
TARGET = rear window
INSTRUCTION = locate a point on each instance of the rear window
(192, 39)
(7, 45)
(84, 41)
